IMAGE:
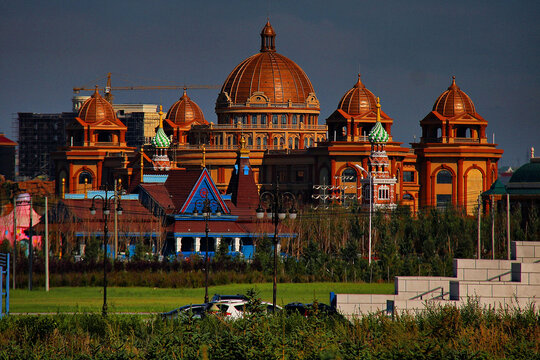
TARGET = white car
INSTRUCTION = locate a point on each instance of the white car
(235, 309)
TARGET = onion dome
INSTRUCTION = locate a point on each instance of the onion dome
(357, 100)
(96, 108)
(277, 77)
(454, 102)
(161, 140)
(185, 111)
(378, 134)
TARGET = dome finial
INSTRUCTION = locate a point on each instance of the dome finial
(359, 82)
(96, 92)
(453, 85)
(268, 38)
(160, 116)
(378, 105)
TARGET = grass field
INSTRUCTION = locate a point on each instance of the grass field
(138, 299)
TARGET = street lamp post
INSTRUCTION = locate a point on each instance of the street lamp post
(206, 208)
(370, 206)
(106, 206)
(275, 203)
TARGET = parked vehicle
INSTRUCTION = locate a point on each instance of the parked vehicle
(218, 297)
(195, 311)
(235, 309)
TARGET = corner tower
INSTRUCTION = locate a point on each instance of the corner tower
(455, 158)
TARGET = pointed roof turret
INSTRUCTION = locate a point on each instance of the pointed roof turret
(378, 134)
(242, 186)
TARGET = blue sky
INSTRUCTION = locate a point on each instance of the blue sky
(407, 52)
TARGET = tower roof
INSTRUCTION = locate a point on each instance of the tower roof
(378, 134)
(454, 102)
(277, 77)
(185, 111)
(357, 100)
(96, 109)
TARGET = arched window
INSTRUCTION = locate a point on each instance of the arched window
(254, 119)
(283, 119)
(275, 142)
(444, 177)
(407, 197)
(250, 141)
(296, 143)
(348, 175)
(85, 175)
(274, 119)
(294, 120)
(263, 119)
(290, 143)
(258, 141)
(265, 141)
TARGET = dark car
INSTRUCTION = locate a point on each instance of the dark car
(195, 311)
(311, 309)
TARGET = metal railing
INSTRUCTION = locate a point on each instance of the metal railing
(500, 275)
(428, 292)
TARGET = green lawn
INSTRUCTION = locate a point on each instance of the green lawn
(138, 299)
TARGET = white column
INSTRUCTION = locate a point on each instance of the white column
(278, 246)
(217, 242)
(178, 244)
(197, 244)
(236, 244)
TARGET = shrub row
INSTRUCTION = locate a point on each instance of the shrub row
(439, 333)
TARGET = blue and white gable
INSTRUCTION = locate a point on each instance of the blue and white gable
(204, 188)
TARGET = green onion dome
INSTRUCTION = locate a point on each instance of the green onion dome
(161, 140)
(378, 134)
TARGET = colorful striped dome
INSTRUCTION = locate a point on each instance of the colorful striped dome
(161, 140)
(378, 134)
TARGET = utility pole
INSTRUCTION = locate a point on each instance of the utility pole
(14, 239)
(479, 226)
(508, 224)
(492, 227)
(46, 244)
(115, 256)
(30, 249)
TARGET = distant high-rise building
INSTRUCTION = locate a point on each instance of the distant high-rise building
(7, 154)
(39, 136)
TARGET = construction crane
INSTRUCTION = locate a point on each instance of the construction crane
(108, 88)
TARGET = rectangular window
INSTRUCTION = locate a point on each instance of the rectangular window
(274, 119)
(254, 119)
(283, 119)
(443, 200)
(294, 119)
(263, 119)
(408, 176)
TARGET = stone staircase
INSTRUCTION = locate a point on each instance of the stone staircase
(494, 283)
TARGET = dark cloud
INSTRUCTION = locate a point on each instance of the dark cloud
(406, 51)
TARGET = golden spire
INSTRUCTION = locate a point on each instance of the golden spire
(161, 116)
(142, 163)
(63, 190)
(203, 164)
(378, 110)
(243, 149)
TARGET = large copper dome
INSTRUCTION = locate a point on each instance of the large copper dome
(185, 111)
(454, 102)
(358, 100)
(276, 76)
(96, 109)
